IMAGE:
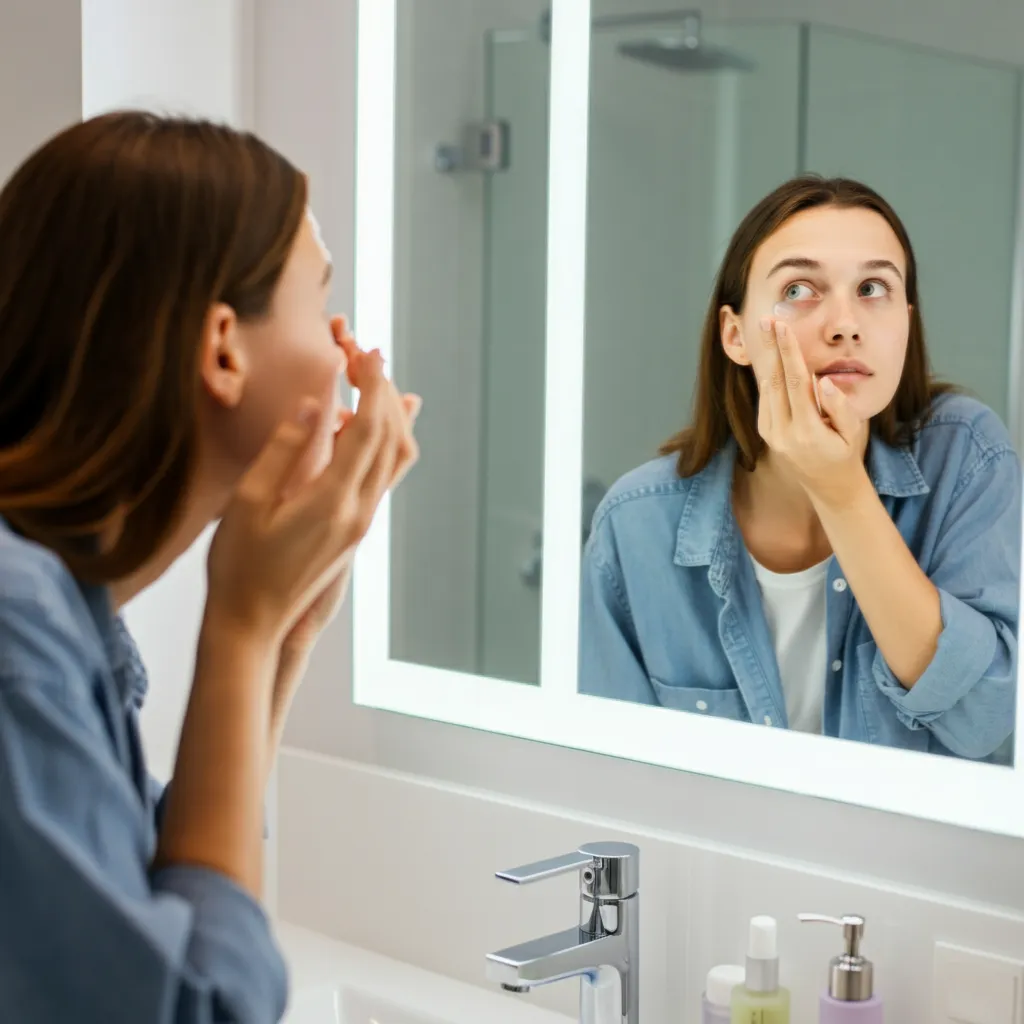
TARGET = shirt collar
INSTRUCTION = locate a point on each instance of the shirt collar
(707, 534)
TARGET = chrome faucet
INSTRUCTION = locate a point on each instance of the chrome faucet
(607, 936)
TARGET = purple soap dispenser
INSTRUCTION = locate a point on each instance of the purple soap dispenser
(850, 997)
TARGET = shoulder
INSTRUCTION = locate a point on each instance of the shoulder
(43, 619)
(962, 424)
(653, 489)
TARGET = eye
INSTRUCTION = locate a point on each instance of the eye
(874, 290)
(797, 291)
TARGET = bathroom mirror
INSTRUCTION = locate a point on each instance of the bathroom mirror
(545, 195)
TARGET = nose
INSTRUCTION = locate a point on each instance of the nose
(841, 324)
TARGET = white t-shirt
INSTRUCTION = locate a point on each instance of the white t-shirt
(794, 605)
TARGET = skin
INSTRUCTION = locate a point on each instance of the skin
(295, 480)
(810, 495)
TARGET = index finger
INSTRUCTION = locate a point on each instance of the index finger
(798, 378)
(355, 447)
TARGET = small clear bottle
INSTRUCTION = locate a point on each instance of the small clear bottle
(717, 999)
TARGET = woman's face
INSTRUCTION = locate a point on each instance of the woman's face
(837, 277)
(258, 373)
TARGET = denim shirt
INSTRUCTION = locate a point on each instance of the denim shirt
(671, 613)
(89, 931)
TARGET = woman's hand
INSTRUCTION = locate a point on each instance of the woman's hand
(275, 554)
(303, 635)
(824, 449)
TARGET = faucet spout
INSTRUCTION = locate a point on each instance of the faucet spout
(555, 957)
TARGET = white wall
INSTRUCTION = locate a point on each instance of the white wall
(187, 57)
(40, 57)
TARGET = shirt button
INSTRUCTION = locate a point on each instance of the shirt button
(702, 705)
(836, 665)
(767, 719)
(839, 585)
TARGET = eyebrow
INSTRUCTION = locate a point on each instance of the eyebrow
(328, 270)
(803, 263)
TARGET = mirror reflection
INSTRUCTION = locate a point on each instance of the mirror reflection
(801, 499)
(831, 543)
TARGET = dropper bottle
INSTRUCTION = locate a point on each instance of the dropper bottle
(761, 999)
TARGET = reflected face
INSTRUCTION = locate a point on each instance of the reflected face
(837, 277)
(290, 354)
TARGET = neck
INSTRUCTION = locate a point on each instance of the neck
(204, 505)
(775, 493)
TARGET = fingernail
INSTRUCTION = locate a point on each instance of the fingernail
(826, 385)
(309, 411)
(766, 323)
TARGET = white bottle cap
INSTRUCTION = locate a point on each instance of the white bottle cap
(764, 938)
(721, 981)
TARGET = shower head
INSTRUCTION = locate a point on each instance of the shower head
(684, 50)
(677, 54)
(680, 49)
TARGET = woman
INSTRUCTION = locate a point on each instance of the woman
(166, 360)
(833, 544)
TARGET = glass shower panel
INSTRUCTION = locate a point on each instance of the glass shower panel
(882, 128)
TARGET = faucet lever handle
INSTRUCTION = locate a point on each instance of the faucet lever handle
(607, 870)
(549, 868)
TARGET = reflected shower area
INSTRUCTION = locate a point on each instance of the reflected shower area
(692, 120)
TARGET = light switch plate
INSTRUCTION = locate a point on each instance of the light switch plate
(971, 987)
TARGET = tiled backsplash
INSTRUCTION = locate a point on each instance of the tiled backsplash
(404, 866)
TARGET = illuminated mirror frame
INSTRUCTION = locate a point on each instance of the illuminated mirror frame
(978, 796)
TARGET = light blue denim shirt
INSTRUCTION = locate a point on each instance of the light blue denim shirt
(88, 931)
(671, 612)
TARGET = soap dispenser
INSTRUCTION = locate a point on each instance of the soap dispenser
(850, 997)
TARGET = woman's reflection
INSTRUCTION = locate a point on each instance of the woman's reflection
(833, 544)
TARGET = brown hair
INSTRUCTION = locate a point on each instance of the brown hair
(116, 238)
(725, 399)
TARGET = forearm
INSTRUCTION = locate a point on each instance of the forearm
(291, 667)
(215, 808)
(899, 603)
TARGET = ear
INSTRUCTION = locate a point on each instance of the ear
(223, 362)
(730, 328)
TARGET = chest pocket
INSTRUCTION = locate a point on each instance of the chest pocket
(716, 702)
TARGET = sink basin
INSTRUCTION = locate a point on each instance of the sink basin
(335, 983)
(340, 1005)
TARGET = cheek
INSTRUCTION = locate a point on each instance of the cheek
(292, 365)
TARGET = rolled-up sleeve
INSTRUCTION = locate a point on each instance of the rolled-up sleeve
(967, 694)
(88, 932)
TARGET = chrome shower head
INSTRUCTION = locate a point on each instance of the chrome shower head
(676, 53)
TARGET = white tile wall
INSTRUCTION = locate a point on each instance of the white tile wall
(404, 866)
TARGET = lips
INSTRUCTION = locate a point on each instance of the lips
(845, 367)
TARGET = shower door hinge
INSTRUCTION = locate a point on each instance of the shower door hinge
(485, 148)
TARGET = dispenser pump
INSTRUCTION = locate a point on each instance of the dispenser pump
(851, 976)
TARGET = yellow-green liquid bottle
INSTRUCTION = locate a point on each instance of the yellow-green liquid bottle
(761, 999)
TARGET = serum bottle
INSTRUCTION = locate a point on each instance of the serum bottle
(850, 997)
(761, 999)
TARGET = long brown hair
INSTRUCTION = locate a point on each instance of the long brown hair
(725, 399)
(116, 238)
